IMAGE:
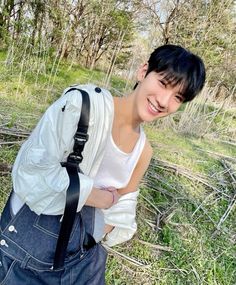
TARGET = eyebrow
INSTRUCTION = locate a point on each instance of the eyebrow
(170, 79)
(181, 94)
(173, 83)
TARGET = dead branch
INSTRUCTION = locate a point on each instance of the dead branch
(165, 165)
(203, 202)
(232, 201)
(150, 203)
(152, 225)
(155, 246)
(14, 133)
(228, 211)
(158, 220)
(183, 271)
(218, 154)
(174, 269)
(4, 167)
(196, 274)
(11, 143)
(156, 187)
(229, 170)
(4, 173)
(123, 256)
(228, 142)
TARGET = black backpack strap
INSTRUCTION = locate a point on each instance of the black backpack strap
(73, 191)
(81, 135)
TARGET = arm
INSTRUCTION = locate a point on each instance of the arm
(120, 218)
(38, 178)
(102, 198)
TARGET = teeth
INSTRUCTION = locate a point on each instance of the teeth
(153, 107)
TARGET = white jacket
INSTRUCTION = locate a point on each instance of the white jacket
(41, 182)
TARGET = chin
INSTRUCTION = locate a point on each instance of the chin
(148, 119)
(153, 118)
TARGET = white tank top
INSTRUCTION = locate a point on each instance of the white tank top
(115, 170)
(117, 166)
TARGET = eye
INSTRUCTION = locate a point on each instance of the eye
(162, 82)
(179, 98)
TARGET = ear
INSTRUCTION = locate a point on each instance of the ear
(142, 71)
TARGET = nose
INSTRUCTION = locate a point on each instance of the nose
(164, 98)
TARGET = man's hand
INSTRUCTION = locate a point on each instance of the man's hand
(103, 198)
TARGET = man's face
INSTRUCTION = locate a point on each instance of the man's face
(155, 97)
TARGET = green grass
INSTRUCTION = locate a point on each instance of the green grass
(189, 210)
(199, 256)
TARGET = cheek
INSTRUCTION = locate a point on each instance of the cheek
(141, 99)
(174, 106)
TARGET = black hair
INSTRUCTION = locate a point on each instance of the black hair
(179, 66)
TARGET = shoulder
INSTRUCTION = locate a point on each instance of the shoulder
(91, 89)
(147, 153)
(99, 97)
(148, 150)
(145, 157)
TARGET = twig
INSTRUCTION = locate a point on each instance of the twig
(131, 260)
(156, 246)
(13, 142)
(229, 170)
(177, 168)
(178, 269)
(15, 133)
(4, 173)
(232, 202)
(3, 125)
(150, 203)
(4, 167)
(217, 154)
(174, 269)
(196, 274)
(228, 142)
(200, 206)
(207, 215)
(152, 225)
(158, 219)
(149, 209)
(185, 172)
(156, 187)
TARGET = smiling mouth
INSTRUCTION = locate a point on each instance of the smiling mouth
(153, 107)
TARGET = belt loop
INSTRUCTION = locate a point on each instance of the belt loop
(25, 261)
(82, 235)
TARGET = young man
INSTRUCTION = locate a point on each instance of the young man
(116, 157)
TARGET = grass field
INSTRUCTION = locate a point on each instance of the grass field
(186, 211)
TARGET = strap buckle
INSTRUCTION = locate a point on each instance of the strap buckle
(74, 158)
(81, 138)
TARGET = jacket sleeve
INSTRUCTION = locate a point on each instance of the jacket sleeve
(122, 217)
(39, 180)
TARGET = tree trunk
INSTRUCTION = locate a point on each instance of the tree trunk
(114, 57)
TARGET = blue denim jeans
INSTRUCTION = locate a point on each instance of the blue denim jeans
(27, 248)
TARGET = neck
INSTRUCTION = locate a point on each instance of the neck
(125, 112)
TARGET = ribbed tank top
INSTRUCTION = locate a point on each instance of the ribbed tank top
(115, 170)
(117, 166)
